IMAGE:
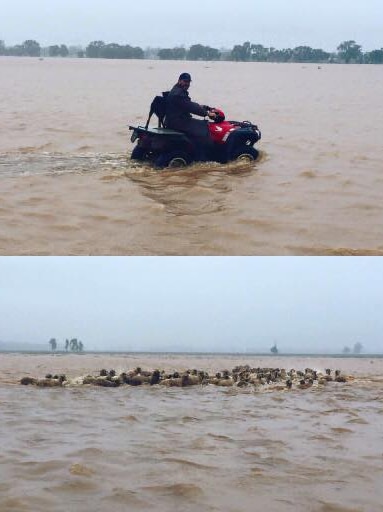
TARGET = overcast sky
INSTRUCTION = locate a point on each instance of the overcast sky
(218, 23)
(194, 304)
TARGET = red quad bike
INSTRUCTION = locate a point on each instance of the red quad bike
(232, 140)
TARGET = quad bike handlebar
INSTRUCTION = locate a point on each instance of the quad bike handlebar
(213, 112)
(216, 115)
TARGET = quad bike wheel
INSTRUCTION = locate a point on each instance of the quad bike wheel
(246, 154)
(138, 153)
(173, 160)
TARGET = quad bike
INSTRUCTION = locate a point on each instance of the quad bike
(231, 140)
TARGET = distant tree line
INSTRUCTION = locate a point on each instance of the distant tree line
(357, 349)
(73, 345)
(28, 48)
(58, 51)
(31, 48)
(195, 52)
(347, 52)
(100, 50)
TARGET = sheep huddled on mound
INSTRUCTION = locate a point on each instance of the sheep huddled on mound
(240, 376)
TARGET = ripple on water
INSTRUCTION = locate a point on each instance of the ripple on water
(126, 497)
(87, 452)
(76, 485)
(16, 505)
(341, 430)
(175, 490)
(188, 463)
(331, 507)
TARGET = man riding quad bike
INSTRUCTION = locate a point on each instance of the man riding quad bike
(168, 147)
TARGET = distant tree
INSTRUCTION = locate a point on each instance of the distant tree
(374, 57)
(247, 51)
(54, 51)
(237, 53)
(31, 48)
(53, 344)
(64, 52)
(346, 350)
(319, 55)
(200, 52)
(349, 51)
(285, 55)
(179, 53)
(358, 347)
(93, 50)
(100, 50)
(307, 54)
(274, 349)
(74, 50)
(212, 53)
(241, 52)
(73, 345)
(259, 53)
(2, 48)
(301, 54)
(196, 52)
(166, 54)
(15, 51)
(112, 51)
(137, 53)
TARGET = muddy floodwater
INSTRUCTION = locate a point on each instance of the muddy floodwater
(200, 448)
(68, 186)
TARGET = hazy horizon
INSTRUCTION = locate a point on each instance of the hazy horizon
(201, 304)
(40, 349)
(218, 23)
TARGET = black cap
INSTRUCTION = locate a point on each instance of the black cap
(185, 76)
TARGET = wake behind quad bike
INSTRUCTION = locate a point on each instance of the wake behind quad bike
(232, 140)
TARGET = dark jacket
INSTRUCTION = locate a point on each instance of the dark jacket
(179, 108)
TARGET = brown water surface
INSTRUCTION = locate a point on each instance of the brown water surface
(209, 448)
(68, 186)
